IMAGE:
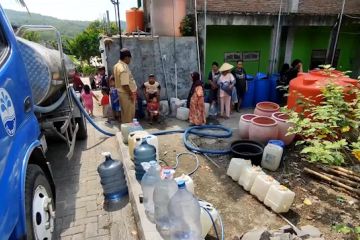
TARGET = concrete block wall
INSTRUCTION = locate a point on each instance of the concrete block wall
(146, 59)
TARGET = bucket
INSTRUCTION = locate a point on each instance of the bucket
(248, 149)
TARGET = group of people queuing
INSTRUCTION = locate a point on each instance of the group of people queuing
(224, 90)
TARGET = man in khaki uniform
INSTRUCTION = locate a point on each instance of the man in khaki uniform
(126, 86)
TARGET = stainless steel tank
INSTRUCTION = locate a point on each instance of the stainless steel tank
(43, 66)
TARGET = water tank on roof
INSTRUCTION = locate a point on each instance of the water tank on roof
(134, 20)
(166, 16)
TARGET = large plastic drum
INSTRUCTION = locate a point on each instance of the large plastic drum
(262, 87)
(248, 99)
(274, 96)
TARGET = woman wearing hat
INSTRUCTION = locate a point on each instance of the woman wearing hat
(226, 83)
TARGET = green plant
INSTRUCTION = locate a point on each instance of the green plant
(187, 26)
(329, 130)
(345, 229)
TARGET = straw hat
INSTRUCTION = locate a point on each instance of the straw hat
(226, 67)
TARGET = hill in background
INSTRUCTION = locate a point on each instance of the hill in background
(69, 28)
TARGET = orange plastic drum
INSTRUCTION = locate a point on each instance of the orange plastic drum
(310, 84)
(134, 20)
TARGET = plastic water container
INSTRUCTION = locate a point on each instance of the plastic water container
(182, 113)
(188, 182)
(112, 178)
(163, 192)
(184, 212)
(206, 223)
(236, 166)
(272, 155)
(143, 153)
(279, 198)
(148, 183)
(133, 139)
(262, 88)
(274, 96)
(164, 108)
(153, 141)
(174, 102)
(262, 185)
(248, 176)
(128, 128)
(248, 99)
(207, 108)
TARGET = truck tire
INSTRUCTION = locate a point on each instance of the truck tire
(82, 132)
(39, 205)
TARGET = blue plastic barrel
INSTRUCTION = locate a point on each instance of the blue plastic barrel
(262, 88)
(248, 99)
(274, 95)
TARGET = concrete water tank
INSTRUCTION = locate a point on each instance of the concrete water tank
(166, 16)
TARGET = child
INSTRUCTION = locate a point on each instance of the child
(114, 99)
(105, 103)
(153, 109)
(87, 96)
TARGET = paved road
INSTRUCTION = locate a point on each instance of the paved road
(79, 203)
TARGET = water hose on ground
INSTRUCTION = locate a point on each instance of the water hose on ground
(191, 154)
(214, 225)
(83, 111)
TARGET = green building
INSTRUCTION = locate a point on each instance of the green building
(266, 34)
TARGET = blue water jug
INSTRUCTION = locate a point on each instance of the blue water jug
(143, 153)
(112, 178)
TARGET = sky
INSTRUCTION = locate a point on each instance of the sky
(85, 10)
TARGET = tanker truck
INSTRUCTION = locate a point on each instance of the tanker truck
(36, 100)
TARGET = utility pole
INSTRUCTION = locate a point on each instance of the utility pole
(118, 12)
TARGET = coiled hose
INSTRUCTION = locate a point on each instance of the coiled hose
(83, 111)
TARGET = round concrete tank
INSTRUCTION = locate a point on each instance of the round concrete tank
(166, 16)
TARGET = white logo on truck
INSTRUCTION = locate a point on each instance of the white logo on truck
(7, 112)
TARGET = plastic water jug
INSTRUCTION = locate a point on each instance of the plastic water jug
(248, 176)
(148, 183)
(182, 113)
(206, 223)
(112, 178)
(262, 185)
(279, 198)
(153, 141)
(163, 192)
(143, 153)
(272, 155)
(128, 128)
(207, 108)
(132, 140)
(236, 166)
(174, 103)
(164, 108)
(184, 212)
(188, 182)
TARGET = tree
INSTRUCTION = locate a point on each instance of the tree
(86, 44)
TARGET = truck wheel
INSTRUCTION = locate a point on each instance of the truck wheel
(82, 132)
(39, 205)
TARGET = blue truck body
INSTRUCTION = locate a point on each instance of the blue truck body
(19, 136)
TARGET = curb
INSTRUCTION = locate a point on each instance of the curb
(146, 229)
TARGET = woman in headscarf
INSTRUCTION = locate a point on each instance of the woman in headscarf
(226, 83)
(195, 101)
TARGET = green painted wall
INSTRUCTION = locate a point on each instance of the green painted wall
(221, 39)
(312, 38)
(308, 39)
